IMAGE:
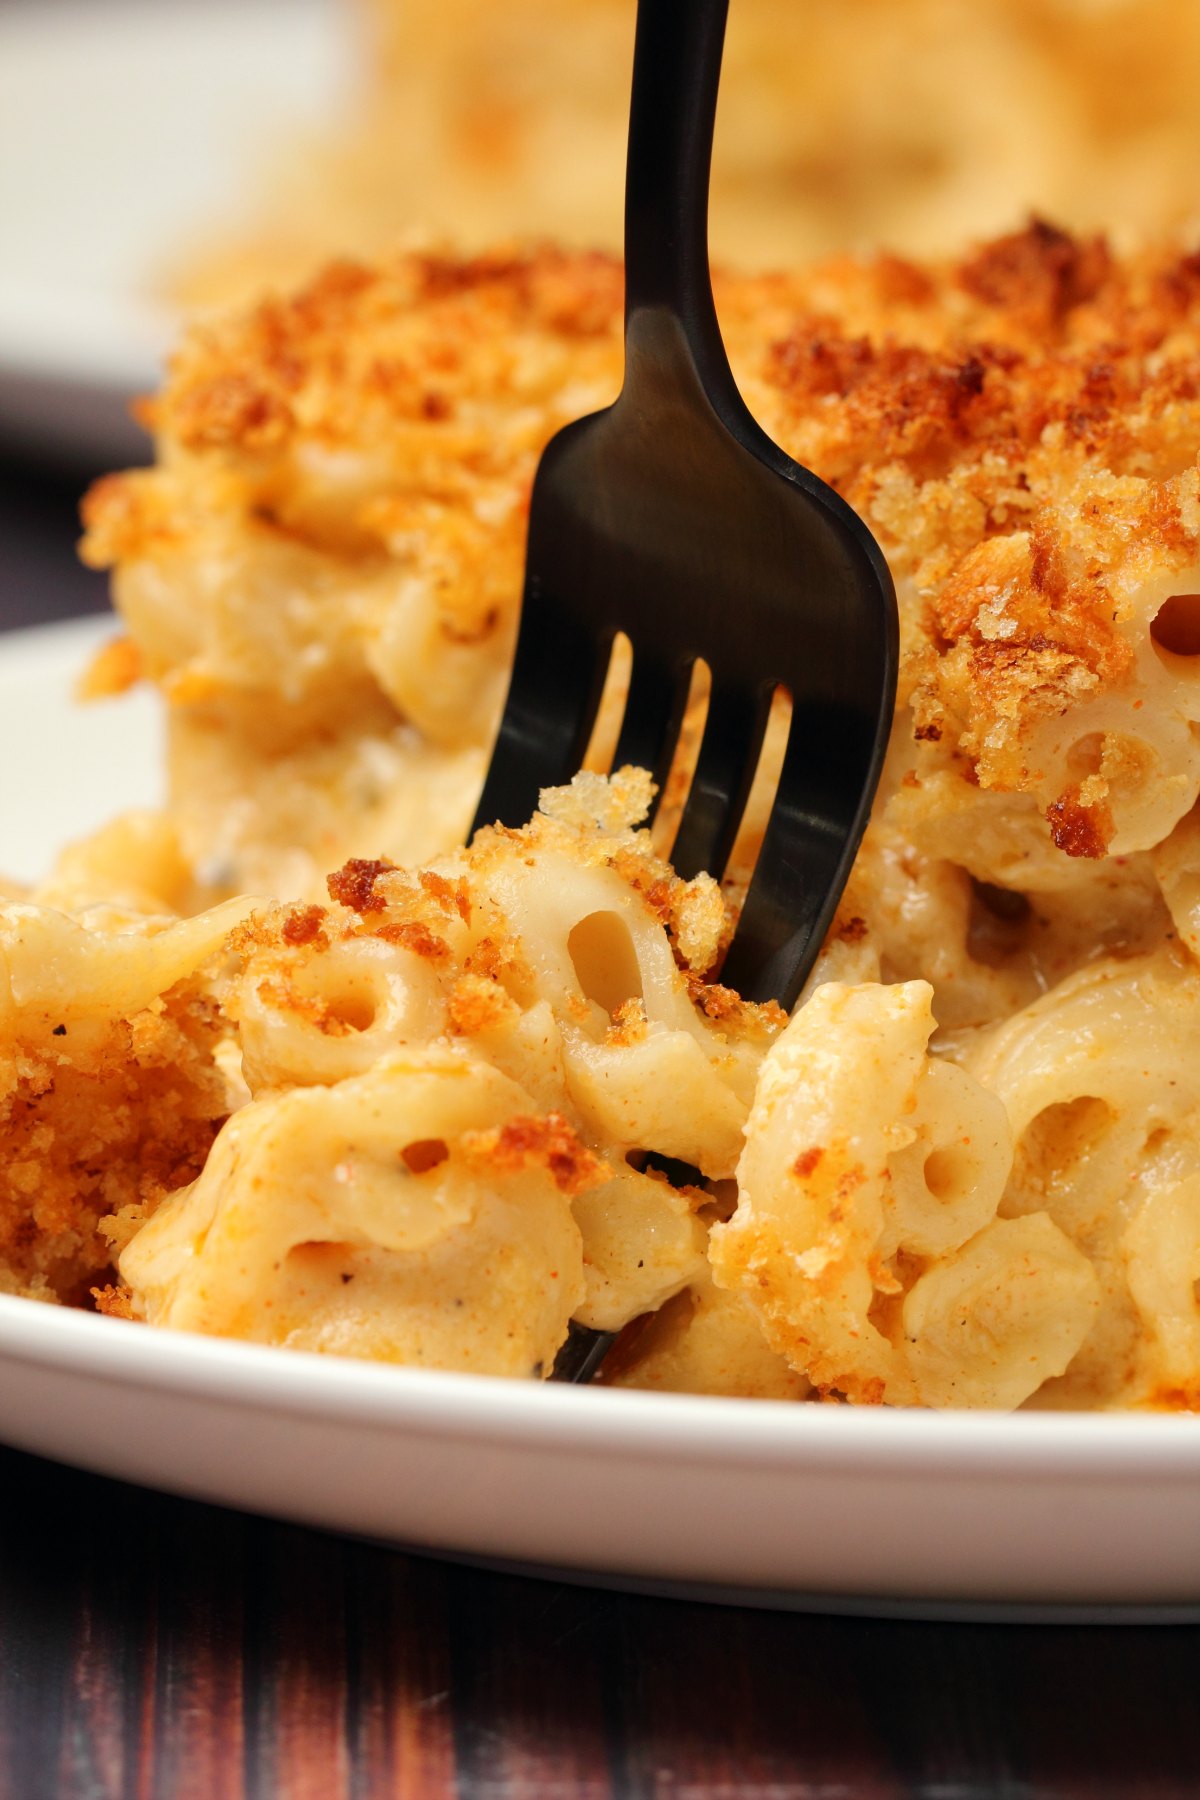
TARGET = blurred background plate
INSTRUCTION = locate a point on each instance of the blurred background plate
(76, 765)
(127, 129)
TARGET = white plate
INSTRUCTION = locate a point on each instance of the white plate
(67, 768)
(126, 128)
(924, 1513)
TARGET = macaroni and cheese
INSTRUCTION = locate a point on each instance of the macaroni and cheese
(417, 1109)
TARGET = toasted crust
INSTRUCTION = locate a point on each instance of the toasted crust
(1015, 426)
(107, 1130)
(326, 565)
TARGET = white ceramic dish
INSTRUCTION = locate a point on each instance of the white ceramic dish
(66, 768)
(869, 1510)
(127, 127)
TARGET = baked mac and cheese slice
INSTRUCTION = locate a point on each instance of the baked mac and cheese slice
(323, 569)
(943, 1181)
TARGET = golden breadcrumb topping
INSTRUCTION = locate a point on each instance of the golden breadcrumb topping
(111, 1126)
(1018, 427)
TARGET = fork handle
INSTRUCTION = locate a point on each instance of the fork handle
(676, 74)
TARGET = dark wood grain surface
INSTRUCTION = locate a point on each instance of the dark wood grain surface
(152, 1647)
(156, 1649)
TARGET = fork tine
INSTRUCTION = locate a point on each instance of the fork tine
(553, 698)
(729, 751)
(654, 710)
(805, 857)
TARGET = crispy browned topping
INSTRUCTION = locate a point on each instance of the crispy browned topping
(1011, 425)
(353, 885)
(413, 935)
(302, 924)
(723, 1003)
(1079, 830)
(716, 1001)
(476, 1005)
(546, 1140)
(1042, 271)
(88, 1131)
(453, 896)
(114, 668)
(628, 1024)
(489, 959)
(280, 992)
(114, 1300)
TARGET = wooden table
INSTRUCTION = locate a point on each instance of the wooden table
(157, 1649)
(154, 1648)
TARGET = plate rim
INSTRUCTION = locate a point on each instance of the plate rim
(694, 1428)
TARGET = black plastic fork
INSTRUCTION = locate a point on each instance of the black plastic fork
(673, 518)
